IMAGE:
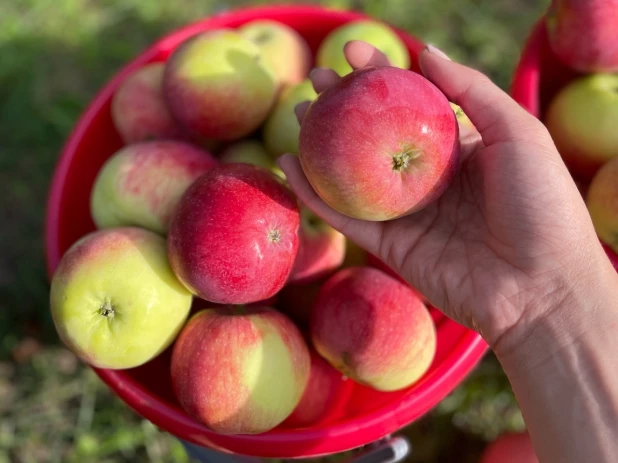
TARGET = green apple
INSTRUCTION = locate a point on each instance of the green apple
(114, 299)
(583, 121)
(251, 152)
(281, 129)
(330, 54)
(282, 47)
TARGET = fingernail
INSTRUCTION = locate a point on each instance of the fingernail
(437, 52)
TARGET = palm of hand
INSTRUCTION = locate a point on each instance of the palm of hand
(501, 236)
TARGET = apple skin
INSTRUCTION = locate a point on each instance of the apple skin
(382, 143)
(324, 397)
(234, 237)
(510, 448)
(373, 329)
(330, 53)
(251, 152)
(138, 108)
(240, 370)
(582, 120)
(583, 34)
(142, 183)
(284, 49)
(282, 129)
(321, 249)
(114, 299)
(224, 97)
(602, 202)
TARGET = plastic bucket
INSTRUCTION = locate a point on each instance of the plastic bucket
(367, 415)
(539, 76)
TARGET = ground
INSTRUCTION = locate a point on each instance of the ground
(54, 56)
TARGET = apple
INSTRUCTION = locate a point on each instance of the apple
(114, 299)
(373, 329)
(234, 237)
(282, 129)
(583, 34)
(510, 448)
(582, 119)
(321, 249)
(217, 85)
(142, 183)
(240, 370)
(284, 49)
(296, 301)
(381, 144)
(324, 396)
(330, 53)
(251, 152)
(374, 261)
(138, 109)
(602, 202)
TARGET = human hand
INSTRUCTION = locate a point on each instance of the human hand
(509, 240)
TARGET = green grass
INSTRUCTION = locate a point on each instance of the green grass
(54, 56)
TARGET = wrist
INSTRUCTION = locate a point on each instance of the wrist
(578, 314)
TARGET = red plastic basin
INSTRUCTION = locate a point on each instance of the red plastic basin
(368, 415)
(539, 76)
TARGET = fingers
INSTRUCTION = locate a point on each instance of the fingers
(495, 114)
(360, 54)
(323, 78)
(365, 234)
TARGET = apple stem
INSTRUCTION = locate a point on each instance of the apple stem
(107, 310)
(402, 159)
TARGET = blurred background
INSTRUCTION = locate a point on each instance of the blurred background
(54, 56)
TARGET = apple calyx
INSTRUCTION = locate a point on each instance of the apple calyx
(274, 236)
(402, 160)
(107, 310)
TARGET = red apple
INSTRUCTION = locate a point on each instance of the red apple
(584, 34)
(381, 144)
(240, 370)
(324, 396)
(510, 448)
(296, 301)
(141, 184)
(321, 249)
(373, 329)
(138, 108)
(234, 237)
(217, 85)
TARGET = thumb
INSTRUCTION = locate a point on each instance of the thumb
(495, 114)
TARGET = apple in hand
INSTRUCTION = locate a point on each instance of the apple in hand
(324, 397)
(240, 370)
(138, 108)
(234, 237)
(381, 144)
(373, 329)
(282, 129)
(510, 448)
(583, 119)
(282, 47)
(330, 53)
(583, 34)
(217, 85)
(114, 299)
(602, 202)
(251, 152)
(142, 183)
(321, 249)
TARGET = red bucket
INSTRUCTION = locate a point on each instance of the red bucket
(368, 415)
(539, 76)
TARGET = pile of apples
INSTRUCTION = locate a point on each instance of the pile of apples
(582, 118)
(202, 245)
